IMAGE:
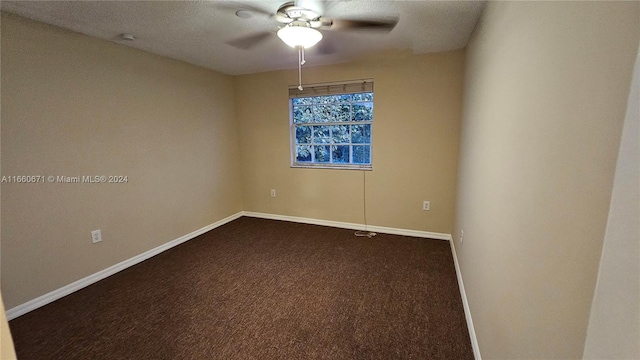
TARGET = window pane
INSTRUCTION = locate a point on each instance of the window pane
(361, 154)
(340, 134)
(340, 153)
(323, 113)
(344, 98)
(303, 101)
(329, 99)
(323, 99)
(363, 112)
(321, 135)
(342, 112)
(302, 114)
(303, 153)
(363, 97)
(361, 134)
(322, 153)
(303, 134)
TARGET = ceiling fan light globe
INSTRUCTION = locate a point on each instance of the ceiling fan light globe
(299, 36)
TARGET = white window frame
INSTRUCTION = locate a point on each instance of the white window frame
(337, 88)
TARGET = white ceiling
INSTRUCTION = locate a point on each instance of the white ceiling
(197, 31)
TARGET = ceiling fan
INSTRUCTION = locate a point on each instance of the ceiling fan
(299, 23)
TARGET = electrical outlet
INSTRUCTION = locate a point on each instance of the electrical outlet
(426, 205)
(273, 192)
(461, 236)
(96, 236)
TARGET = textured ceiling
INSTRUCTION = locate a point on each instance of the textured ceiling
(197, 32)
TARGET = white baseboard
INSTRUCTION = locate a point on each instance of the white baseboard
(354, 226)
(465, 304)
(93, 278)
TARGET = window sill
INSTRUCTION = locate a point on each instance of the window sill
(333, 167)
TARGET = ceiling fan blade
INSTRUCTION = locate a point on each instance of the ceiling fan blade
(249, 41)
(315, 5)
(351, 24)
(329, 4)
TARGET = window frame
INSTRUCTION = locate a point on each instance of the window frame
(322, 92)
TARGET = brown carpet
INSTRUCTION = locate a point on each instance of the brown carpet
(263, 289)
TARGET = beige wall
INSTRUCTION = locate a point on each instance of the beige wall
(546, 88)
(614, 325)
(75, 105)
(415, 140)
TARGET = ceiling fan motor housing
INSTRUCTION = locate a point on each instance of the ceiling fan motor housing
(289, 12)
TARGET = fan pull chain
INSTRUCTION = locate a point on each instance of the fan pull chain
(301, 61)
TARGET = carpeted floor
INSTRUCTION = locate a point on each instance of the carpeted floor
(263, 289)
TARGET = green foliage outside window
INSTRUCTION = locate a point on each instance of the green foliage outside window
(333, 130)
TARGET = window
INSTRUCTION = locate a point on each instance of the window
(331, 125)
